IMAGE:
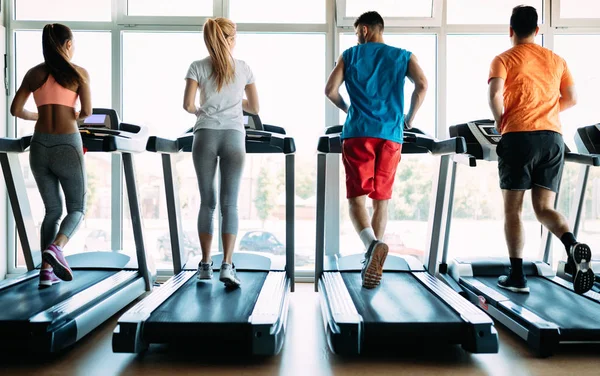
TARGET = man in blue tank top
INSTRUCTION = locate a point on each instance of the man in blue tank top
(372, 136)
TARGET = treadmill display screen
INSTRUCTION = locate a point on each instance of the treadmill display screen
(490, 131)
(97, 121)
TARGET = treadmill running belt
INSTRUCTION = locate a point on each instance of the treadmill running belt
(22, 301)
(553, 303)
(400, 298)
(210, 302)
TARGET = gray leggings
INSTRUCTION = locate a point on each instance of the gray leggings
(56, 161)
(228, 149)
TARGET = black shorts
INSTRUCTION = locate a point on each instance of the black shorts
(526, 159)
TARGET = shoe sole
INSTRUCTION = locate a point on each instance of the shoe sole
(205, 277)
(584, 275)
(374, 269)
(229, 283)
(522, 290)
(48, 283)
(61, 271)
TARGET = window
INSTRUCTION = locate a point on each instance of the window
(169, 8)
(424, 48)
(63, 10)
(581, 63)
(290, 12)
(478, 215)
(153, 97)
(290, 92)
(390, 8)
(495, 12)
(93, 52)
(579, 9)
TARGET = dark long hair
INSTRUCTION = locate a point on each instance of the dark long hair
(57, 61)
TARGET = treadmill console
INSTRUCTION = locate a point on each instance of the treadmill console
(587, 139)
(481, 137)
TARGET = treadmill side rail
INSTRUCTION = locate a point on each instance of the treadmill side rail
(342, 321)
(483, 335)
(541, 335)
(127, 336)
(270, 315)
(58, 314)
(593, 295)
(22, 278)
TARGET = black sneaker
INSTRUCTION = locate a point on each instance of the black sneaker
(513, 284)
(372, 270)
(578, 265)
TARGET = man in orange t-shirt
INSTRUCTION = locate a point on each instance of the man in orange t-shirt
(528, 87)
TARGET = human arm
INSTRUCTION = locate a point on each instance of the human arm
(568, 98)
(496, 79)
(251, 104)
(568, 94)
(496, 99)
(416, 75)
(332, 88)
(189, 96)
(17, 107)
(85, 96)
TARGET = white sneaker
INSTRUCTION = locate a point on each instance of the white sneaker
(205, 270)
(228, 276)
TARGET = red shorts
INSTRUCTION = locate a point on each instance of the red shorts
(370, 165)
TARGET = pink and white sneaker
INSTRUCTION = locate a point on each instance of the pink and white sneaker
(54, 256)
(48, 278)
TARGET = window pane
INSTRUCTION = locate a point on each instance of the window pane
(390, 8)
(93, 52)
(478, 210)
(495, 12)
(63, 10)
(152, 96)
(579, 9)
(406, 232)
(253, 11)
(262, 181)
(424, 48)
(302, 114)
(175, 8)
(581, 63)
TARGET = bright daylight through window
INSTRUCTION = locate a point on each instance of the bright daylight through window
(138, 67)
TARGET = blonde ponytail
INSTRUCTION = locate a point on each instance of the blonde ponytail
(216, 31)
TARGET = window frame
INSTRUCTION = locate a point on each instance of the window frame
(561, 23)
(434, 21)
(335, 24)
(124, 19)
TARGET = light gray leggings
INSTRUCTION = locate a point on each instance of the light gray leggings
(56, 161)
(226, 148)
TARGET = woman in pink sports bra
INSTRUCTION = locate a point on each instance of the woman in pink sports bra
(56, 151)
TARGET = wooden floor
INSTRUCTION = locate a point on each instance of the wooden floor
(306, 353)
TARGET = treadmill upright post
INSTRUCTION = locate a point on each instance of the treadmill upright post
(320, 220)
(136, 218)
(174, 213)
(290, 192)
(448, 213)
(19, 202)
(577, 209)
(438, 214)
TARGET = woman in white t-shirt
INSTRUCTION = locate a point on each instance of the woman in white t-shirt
(219, 138)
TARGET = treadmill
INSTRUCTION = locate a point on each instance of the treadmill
(50, 319)
(587, 141)
(541, 317)
(410, 305)
(250, 319)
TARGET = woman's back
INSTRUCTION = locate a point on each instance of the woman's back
(55, 103)
(220, 109)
